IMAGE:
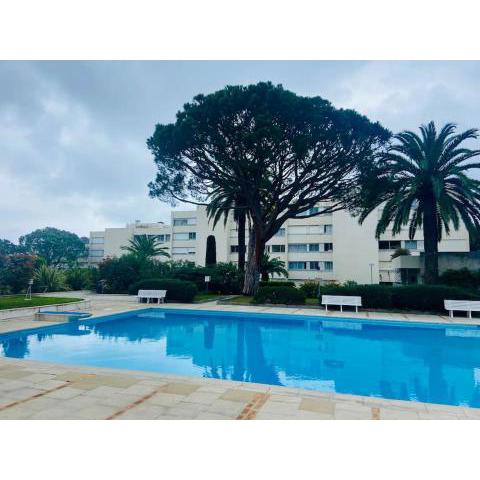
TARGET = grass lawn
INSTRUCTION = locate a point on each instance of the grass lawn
(245, 300)
(207, 297)
(18, 301)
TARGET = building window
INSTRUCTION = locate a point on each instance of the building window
(96, 253)
(234, 249)
(183, 222)
(310, 211)
(414, 244)
(388, 244)
(97, 240)
(297, 265)
(185, 236)
(328, 266)
(278, 248)
(327, 229)
(303, 247)
(298, 247)
(183, 251)
(280, 233)
(327, 247)
(164, 238)
(314, 265)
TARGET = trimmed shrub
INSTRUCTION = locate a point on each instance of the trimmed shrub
(310, 289)
(427, 298)
(279, 295)
(463, 278)
(177, 290)
(277, 283)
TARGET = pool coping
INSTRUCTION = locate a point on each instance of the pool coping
(372, 401)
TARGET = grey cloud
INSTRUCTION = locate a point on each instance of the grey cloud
(72, 134)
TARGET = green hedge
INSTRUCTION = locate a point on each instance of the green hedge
(281, 295)
(177, 290)
(427, 298)
(310, 289)
(463, 278)
(275, 283)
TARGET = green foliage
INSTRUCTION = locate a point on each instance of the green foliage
(400, 252)
(80, 278)
(211, 252)
(145, 248)
(425, 298)
(258, 146)
(463, 278)
(310, 289)
(177, 290)
(270, 266)
(56, 247)
(277, 283)
(7, 247)
(119, 273)
(15, 272)
(279, 295)
(422, 182)
(49, 279)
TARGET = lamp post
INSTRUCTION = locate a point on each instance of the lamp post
(371, 273)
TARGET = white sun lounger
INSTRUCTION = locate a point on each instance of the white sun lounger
(148, 295)
(342, 301)
(468, 306)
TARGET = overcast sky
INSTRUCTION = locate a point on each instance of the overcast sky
(72, 134)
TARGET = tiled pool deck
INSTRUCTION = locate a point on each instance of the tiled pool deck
(37, 390)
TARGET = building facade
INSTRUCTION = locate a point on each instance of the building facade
(326, 248)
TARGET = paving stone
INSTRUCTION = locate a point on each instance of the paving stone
(239, 396)
(179, 388)
(317, 405)
(64, 393)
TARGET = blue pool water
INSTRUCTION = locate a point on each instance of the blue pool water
(427, 363)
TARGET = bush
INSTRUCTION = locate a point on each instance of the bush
(310, 289)
(48, 279)
(279, 295)
(80, 278)
(15, 271)
(427, 298)
(177, 290)
(119, 273)
(275, 283)
(463, 278)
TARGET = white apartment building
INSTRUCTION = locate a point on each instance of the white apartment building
(326, 248)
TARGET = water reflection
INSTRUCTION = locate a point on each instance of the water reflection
(418, 363)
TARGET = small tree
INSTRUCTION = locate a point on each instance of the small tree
(272, 266)
(211, 253)
(145, 248)
(55, 246)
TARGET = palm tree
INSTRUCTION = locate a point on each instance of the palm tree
(422, 182)
(145, 247)
(221, 204)
(271, 266)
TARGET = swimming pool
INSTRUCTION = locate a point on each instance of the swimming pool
(396, 360)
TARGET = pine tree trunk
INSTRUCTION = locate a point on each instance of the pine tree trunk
(252, 271)
(241, 241)
(430, 236)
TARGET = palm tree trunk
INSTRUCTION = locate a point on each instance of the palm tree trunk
(241, 240)
(430, 236)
